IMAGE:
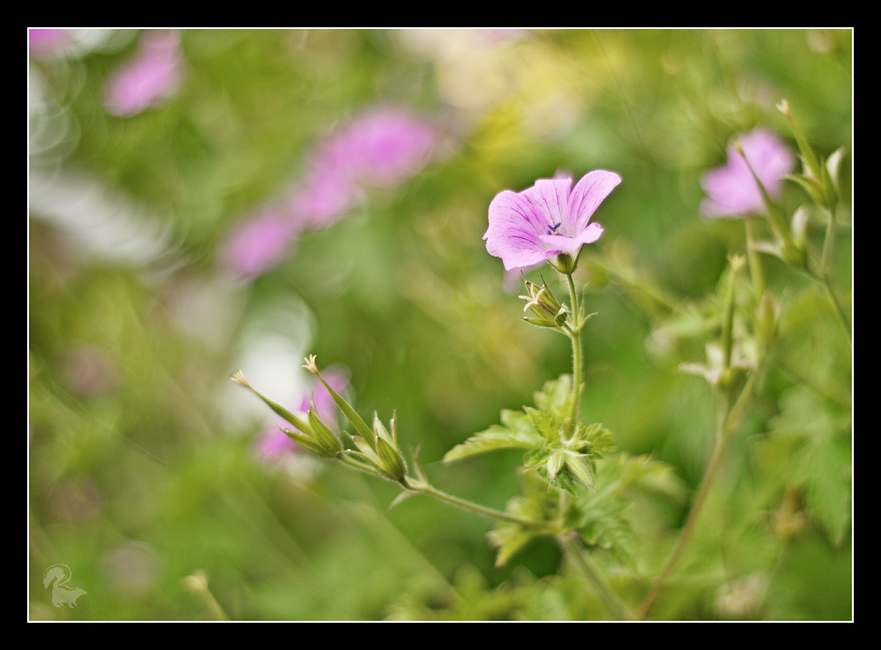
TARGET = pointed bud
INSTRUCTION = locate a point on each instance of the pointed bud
(794, 255)
(306, 442)
(546, 309)
(239, 378)
(390, 459)
(731, 380)
(810, 159)
(323, 436)
(767, 320)
(555, 463)
(380, 430)
(350, 413)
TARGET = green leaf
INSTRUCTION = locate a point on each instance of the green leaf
(828, 485)
(508, 540)
(594, 439)
(555, 397)
(602, 524)
(809, 447)
(545, 423)
(579, 467)
(517, 434)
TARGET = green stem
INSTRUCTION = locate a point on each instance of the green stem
(820, 275)
(828, 245)
(645, 606)
(755, 262)
(836, 306)
(462, 504)
(730, 419)
(584, 563)
(575, 335)
(428, 490)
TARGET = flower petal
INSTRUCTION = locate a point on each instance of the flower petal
(515, 229)
(590, 191)
(551, 199)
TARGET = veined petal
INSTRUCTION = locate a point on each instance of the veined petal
(590, 191)
(515, 229)
(562, 244)
(550, 198)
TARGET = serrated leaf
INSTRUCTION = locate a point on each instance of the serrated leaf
(555, 397)
(602, 524)
(594, 439)
(828, 486)
(653, 475)
(545, 423)
(494, 438)
(508, 540)
(579, 467)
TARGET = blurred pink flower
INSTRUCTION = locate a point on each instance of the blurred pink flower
(46, 42)
(325, 196)
(732, 190)
(274, 443)
(153, 75)
(382, 147)
(259, 243)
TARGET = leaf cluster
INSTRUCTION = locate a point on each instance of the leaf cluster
(564, 452)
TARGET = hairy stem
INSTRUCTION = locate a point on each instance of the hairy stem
(462, 504)
(420, 487)
(575, 335)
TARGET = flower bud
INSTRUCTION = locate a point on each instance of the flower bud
(239, 378)
(794, 255)
(731, 380)
(565, 263)
(323, 436)
(766, 320)
(350, 413)
(390, 459)
(546, 309)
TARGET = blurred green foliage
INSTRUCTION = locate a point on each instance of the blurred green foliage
(141, 469)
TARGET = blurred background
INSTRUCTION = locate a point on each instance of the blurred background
(202, 201)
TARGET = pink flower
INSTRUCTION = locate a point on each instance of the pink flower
(547, 219)
(274, 443)
(259, 243)
(153, 75)
(732, 190)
